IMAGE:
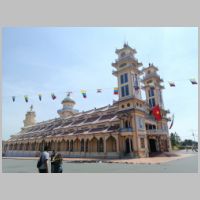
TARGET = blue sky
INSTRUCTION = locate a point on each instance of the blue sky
(46, 60)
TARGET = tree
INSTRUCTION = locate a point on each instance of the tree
(189, 142)
(175, 139)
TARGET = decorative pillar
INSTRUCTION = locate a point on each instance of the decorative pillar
(104, 145)
(84, 146)
(117, 143)
(130, 147)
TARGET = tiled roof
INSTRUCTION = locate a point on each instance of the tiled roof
(70, 124)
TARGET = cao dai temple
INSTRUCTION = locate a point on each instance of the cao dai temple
(127, 128)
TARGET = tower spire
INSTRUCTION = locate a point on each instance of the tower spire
(30, 117)
(127, 72)
(152, 86)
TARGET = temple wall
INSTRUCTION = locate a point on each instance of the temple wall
(65, 154)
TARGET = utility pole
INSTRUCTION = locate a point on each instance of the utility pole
(193, 136)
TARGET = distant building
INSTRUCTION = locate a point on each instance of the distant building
(124, 129)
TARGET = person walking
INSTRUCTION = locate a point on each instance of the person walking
(57, 163)
(42, 164)
(52, 158)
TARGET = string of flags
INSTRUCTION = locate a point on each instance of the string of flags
(26, 98)
(83, 92)
(40, 97)
(53, 96)
(192, 80)
(115, 90)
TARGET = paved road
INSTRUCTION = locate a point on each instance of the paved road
(185, 165)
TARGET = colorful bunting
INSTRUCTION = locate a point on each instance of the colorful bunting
(53, 96)
(40, 97)
(99, 90)
(83, 92)
(193, 81)
(13, 98)
(26, 98)
(172, 84)
(116, 90)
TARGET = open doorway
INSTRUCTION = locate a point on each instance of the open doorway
(152, 145)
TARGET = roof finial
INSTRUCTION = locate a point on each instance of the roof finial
(68, 94)
(31, 108)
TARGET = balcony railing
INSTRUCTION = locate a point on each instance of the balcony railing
(128, 57)
(156, 131)
(126, 129)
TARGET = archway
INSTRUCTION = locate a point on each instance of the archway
(71, 145)
(152, 145)
(58, 146)
(67, 145)
(52, 145)
(76, 145)
(128, 145)
(93, 144)
(111, 144)
(87, 145)
(100, 147)
(21, 146)
(82, 145)
(15, 146)
(63, 145)
(33, 146)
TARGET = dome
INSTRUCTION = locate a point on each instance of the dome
(68, 99)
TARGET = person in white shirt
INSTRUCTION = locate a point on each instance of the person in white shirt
(43, 161)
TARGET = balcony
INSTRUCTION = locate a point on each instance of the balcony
(156, 132)
(127, 57)
(126, 131)
(114, 72)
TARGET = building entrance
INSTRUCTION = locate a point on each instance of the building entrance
(128, 146)
(152, 144)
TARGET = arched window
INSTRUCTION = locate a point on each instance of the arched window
(100, 145)
(86, 145)
(111, 144)
(82, 145)
(67, 147)
(71, 145)
(127, 124)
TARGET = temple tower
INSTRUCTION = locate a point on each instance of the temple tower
(30, 118)
(131, 106)
(127, 73)
(68, 107)
(152, 86)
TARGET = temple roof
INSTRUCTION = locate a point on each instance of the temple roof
(68, 99)
(103, 119)
(126, 46)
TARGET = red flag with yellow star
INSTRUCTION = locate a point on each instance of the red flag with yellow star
(156, 113)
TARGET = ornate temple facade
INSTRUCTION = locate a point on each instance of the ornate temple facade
(126, 128)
